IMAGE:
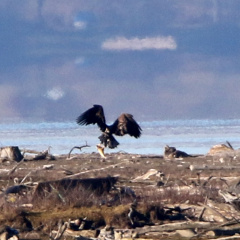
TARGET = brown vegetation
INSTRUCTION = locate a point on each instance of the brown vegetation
(102, 193)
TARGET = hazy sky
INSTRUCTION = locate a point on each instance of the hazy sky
(157, 59)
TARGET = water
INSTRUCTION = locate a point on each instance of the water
(191, 136)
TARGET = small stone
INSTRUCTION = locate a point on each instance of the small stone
(186, 233)
(210, 234)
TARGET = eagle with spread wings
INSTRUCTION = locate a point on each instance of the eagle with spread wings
(125, 124)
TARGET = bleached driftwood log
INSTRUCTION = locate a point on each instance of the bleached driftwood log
(227, 238)
(212, 167)
(203, 228)
(37, 155)
(61, 229)
(220, 148)
(173, 227)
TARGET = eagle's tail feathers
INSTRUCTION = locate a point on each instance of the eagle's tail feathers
(108, 140)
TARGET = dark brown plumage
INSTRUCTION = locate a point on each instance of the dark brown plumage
(125, 124)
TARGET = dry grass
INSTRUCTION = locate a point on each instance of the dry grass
(180, 186)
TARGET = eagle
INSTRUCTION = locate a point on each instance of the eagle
(124, 124)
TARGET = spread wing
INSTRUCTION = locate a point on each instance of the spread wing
(92, 116)
(126, 124)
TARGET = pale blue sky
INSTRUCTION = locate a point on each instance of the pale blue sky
(156, 59)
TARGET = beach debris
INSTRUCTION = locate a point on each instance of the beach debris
(220, 148)
(120, 193)
(80, 228)
(100, 149)
(231, 197)
(7, 232)
(48, 166)
(186, 233)
(125, 124)
(127, 192)
(67, 171)
(74, 224)
(177, 207)
(106, 233)
(57, 235)
(97, 185)
(201, 182)
(43, 155)
(193, 167)
(10, 153)
(148, 174)
(136, 218)
(172, 152)
(76, 147)
(228, 197)
(16, 166)
(16, 189)
(97, 169)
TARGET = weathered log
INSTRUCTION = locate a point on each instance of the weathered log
(173, 227)
(205, 226)
(211, 167)
(82, 233)
(31, 151)
(227, 238)
(186, 233)
(10, 153)
(220, 148)
(148, 174)
(41, 155)
(15, 167)
(38, 155)
(94, 170)
(221, 231)
(61, 229)
(215, 211)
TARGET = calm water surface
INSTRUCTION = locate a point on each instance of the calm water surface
(192, 136)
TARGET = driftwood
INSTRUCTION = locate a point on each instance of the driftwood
(150, 172)
(220, 148)
(173, 227)
(77, 147)
(39, 155)
(94, 170)
(222, 229)
(30, 151)
(61, 229)
(227, 238)
(201, 227)
(215, 211)
(211, 167)
(15, 167)
(10, 153)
